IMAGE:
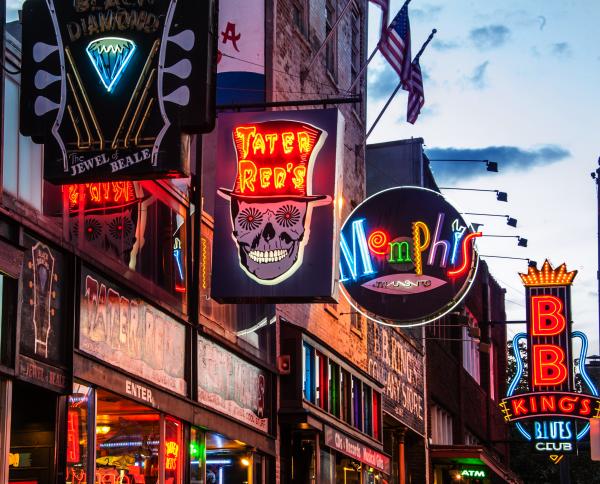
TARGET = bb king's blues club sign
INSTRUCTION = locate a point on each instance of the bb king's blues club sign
(108, 86)
(545, 408)
(275, 235)
(407, 256)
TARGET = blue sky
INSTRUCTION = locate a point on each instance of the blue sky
(514, 82)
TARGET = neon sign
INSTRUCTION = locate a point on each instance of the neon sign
(172, 454)
(547, 413)
(276, 179)
(402, 242)
(473, 473)
(110, 57)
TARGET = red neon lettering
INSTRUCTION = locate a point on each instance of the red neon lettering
(247, 175)
(243, 134)
(567, 404)
(258, 144)
(519, 407)
(378, 242)
(265, 177)
(533, 404)
(547, 316)
(288, 142)
(280, 176)
(303, 142)
(586, 407)
(299, 177)
(271, 138)
(549, 367)
(548, 403)
(466, 256)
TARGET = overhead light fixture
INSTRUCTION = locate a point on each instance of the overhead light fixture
(532, 263)
(512, 222)
(502, 196)
(491, 166)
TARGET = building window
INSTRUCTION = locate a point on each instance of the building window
(357, 408)
(470, 439)
(377, 415)
(322, 381)
(367, 398)
(492, 373)
(471, 350)
(308, 365)
(345, 397)
(441, 426)
(22, 164)
(356, 321)
(334, 388)
(331, 46)
(300, 9)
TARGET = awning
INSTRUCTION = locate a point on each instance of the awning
(472, 456)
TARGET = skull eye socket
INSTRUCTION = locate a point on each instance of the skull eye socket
(250, 219)
(287, 216)
(93, 228)
(120, 228)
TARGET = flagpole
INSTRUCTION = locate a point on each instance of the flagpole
(372, 54)
(433, 32)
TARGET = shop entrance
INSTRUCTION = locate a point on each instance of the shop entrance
(32, 435)
(231, 461)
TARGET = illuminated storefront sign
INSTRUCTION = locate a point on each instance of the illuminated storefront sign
(546, 410)
(172, 454)
(274, 211)
(352, 448)
(109, 87)
(407, 256)
(475, 473)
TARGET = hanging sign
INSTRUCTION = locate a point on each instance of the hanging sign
(275, 234)
(407, 256)
(545, 409)
(109, 86)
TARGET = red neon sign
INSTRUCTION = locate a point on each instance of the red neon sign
(550, 404)
(549, 367)
(273, 158)
(466, 256)
(172, 453)
(378, 242)
(73, 452)
(547, 316)
(92, 194)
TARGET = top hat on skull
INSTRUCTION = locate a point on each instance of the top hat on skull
(271, 201)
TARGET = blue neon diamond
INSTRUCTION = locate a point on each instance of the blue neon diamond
(110, 56)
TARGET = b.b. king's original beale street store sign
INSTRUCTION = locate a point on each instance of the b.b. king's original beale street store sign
(275, 233)
(109, 85)
(545, 409)
(407, 256)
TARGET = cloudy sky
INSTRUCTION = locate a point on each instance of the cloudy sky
(517, 83)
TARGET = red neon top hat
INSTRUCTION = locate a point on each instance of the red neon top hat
(275, 161)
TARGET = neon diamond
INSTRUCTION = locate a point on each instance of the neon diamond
(110, 56)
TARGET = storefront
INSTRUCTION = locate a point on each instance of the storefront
(330, 415)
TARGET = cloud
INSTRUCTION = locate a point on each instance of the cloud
(490, 36)
(507, 157)
(561, 49)
(426, 12)
(443, 45)
(382, 83)
(478, 78)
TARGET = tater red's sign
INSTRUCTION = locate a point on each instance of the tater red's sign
(275, 234)
(407, 256)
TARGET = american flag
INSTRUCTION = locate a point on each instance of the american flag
(416, 94)
(385, 7)
(395, 45)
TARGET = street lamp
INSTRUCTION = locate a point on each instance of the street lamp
(500, 196)
(521, 242)
(530, 263)
(489, 165)
(509, 220)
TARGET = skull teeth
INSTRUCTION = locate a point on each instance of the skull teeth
(268, 256)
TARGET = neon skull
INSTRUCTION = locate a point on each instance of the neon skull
(270, 203)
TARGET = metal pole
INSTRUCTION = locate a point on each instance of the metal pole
(363, 69)
(384, 108)
(305, 72)
(596, 176)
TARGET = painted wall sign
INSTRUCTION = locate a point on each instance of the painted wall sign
(549, 413)
(42, 374)
(42, 333)
(399, 366)
(241, 55)
(352, 448)
(232, 386)
(125, 331)
(407, 256)
(110, 86)
(277, 177)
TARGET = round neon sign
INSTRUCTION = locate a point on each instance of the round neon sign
(407, 257)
